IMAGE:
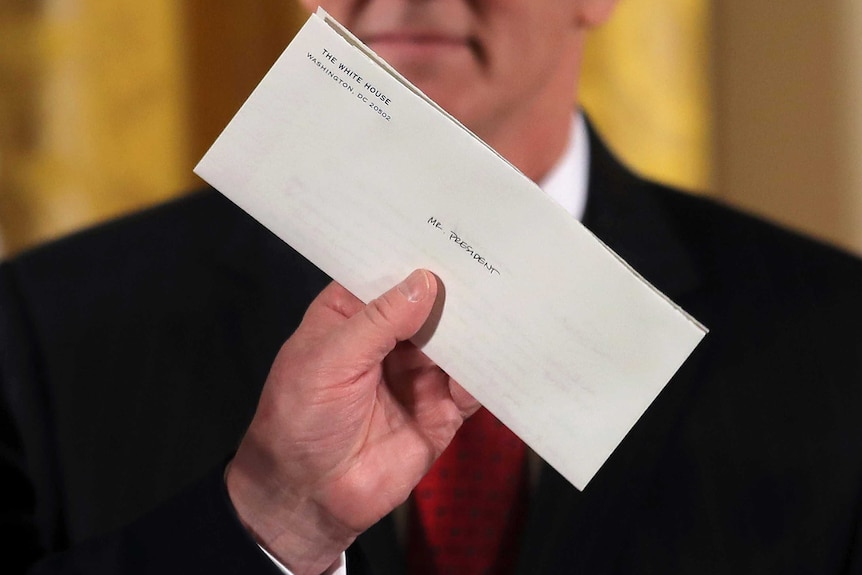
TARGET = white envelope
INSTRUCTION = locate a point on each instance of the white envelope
(351, 165)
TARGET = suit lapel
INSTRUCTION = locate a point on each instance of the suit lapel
(627, 214)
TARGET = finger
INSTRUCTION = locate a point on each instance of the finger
(368, 336)
(466, 403)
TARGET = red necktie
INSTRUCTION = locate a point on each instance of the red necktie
(467, 513)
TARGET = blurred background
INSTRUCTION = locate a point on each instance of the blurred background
(106, 105)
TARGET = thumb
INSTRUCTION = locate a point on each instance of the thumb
(373, 332)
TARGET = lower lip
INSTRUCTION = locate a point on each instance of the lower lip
(398, 48)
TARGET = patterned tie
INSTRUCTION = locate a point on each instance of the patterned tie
(466, 514)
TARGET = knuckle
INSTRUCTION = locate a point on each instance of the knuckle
(380, 313)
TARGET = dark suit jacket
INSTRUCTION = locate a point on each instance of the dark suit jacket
(133, 354)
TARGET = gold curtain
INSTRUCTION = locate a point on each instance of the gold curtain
(94, 90)
(646, 84)
(105, 105)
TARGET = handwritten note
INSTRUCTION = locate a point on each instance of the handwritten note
(356, 169)
(462, 243)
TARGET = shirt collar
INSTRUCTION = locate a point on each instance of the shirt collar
(567, 181)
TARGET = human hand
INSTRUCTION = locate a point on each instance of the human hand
(350, 418)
